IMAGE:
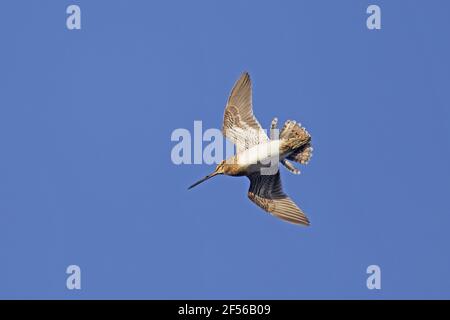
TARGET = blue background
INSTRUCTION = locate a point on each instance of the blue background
(86, 176)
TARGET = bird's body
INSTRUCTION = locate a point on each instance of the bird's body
(253, 159)
(257, 156)
(260, 153)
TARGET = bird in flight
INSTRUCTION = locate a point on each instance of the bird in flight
(257, 156)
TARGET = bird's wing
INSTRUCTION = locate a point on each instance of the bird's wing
(239, 124)
(267, 193)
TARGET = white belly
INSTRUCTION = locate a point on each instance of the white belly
(265, 154)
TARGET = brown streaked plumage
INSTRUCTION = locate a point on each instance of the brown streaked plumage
(254, 150)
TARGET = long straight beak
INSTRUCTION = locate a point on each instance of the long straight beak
(204, 179)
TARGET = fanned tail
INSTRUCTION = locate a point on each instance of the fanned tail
(303, 154)
(299, 140)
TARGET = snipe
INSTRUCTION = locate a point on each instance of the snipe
(256, 153)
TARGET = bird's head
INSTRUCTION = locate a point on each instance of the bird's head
(220, 169)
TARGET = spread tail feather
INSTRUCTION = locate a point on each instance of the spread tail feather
(299, 140)
(302, 155)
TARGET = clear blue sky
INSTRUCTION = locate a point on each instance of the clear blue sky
(86, 176)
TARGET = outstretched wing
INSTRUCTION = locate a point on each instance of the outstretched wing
(267, 193)
(239, 124)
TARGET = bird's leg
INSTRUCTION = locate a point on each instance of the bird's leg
(288, 165)
(273, 129)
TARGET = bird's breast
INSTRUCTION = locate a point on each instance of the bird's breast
(261, 154)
